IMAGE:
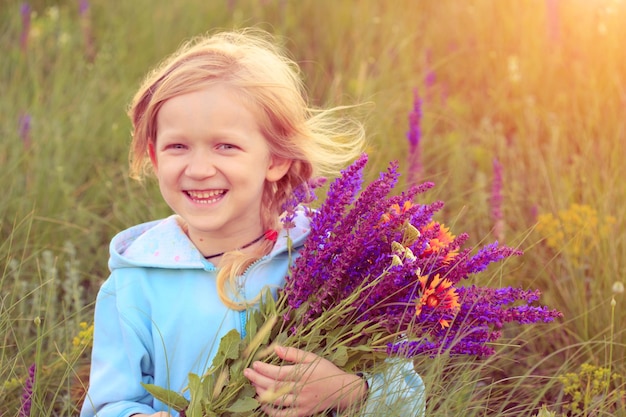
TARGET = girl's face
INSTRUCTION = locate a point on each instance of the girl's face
(212, 162)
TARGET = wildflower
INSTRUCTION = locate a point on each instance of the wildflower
(575, 231)
(86, 26)
(27, 393)
(618, 287)
(24, 129)
(25, 12)
(300, 197)
(414, 136)
(83, 7)
(440, 241)
(584, 386)
(84, 339)
(430, 77)
(437, 293)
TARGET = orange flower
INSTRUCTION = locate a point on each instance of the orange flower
(395, 210)
(443, 239)
(438, 293)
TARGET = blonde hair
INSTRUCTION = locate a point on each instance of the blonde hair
(318, 142)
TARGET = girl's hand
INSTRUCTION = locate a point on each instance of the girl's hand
(157, 414)
(312, 384)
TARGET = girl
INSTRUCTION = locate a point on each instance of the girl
(225, 127)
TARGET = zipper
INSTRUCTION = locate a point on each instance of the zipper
(243, 316)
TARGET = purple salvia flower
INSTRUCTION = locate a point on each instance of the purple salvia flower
(25, 12)
(314, 260)
(83, 7)
(24, 129)
(430, 77)
(466, 265)
(496, 201)
(302, 195)
(353, 244)
(414, 136)
(350, 248)
(86, 26)
(27, 393)
(483, 313)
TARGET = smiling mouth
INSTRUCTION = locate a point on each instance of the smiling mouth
(205, 197)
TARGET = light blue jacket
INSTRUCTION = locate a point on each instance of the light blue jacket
(158, 318)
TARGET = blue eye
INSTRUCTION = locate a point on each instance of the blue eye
(176, 146)
(226, 146)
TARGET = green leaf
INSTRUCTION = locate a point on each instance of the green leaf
(195, 391)
(171, 398)
(339, 356)
(228, 349)
(243, 405)
(268, 303)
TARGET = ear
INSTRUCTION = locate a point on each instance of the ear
(152, 154)
(277, 169)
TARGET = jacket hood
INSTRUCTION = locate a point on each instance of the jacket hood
(164, 244)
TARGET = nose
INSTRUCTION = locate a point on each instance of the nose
(200, 165)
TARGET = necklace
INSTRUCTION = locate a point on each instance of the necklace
(243, 247)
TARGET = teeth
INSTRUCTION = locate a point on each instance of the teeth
(206, 196)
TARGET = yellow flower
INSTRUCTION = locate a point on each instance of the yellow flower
(84, 338)
(576, 231)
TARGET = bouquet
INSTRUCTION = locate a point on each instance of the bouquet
(377, 278)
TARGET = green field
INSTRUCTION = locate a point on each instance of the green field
(537, 87)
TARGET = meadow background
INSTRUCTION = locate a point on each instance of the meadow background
(523, 117)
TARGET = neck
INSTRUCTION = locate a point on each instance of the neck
(247, 245)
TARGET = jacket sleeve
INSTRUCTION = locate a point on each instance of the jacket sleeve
(120, 361)
(399, 391)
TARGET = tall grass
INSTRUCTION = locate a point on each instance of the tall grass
(538, 85)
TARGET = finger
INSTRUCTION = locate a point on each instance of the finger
(274, 372)
(259, 379)
(294, 355)
(281, 411)
(277, 398)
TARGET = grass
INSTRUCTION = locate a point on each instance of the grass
(542, 92)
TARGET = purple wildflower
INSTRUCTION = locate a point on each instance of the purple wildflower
(24, 129)
(342, 193)
(430, 77)
(27, 393)
(414, 136)
(466, 264)
(86, 26)
(25, 12)
(83, 7)
(351, 250)
(496, 201)
(483, 312)
(302, 195)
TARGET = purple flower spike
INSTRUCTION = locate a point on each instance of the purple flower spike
(302, 195)
(27, 393)
(83, 7)
(414, 136)
(25, 12)
(24, 128)
(401, 270)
